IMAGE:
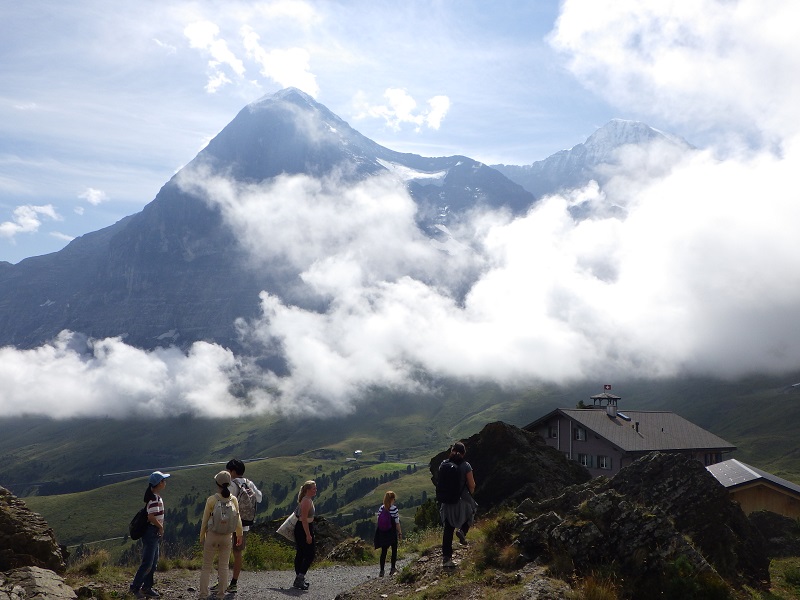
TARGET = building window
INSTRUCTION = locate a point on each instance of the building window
(580, 434)
(603, 462)
(552, 431)
(712, 458)
(585, 460)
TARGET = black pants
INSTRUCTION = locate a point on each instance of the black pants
(304, 555)
(384, 550)
(447, 538)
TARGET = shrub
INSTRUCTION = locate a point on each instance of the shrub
(596, 588)
(427, 515)
(90, 563)
(497, 549)
(792, 576)
(681, 580)
(267, 554)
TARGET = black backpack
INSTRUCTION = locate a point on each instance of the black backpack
(138, 524)
(448, 483)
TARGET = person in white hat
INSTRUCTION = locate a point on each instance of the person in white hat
(220, 518)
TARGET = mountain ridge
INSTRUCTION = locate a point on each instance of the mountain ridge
(162, 270)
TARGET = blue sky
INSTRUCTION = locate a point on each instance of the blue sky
(100, 104)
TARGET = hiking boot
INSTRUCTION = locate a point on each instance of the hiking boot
(136, 593)
(151, 593)
(232, 587)
(381, 573)
(300, 583)
(448, 563)
(392, 572)
(461, 537)
(214, 588)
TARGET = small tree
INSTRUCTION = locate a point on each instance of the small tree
(427, 515)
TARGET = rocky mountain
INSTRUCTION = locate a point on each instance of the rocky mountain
(175, 273)
(25, 537)
(594, 159)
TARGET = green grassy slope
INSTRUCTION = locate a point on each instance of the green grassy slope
(759, 415)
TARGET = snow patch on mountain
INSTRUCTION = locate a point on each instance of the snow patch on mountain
(407, 174)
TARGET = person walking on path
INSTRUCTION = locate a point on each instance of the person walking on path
(142, 584)
(387, 531)
(239, 488)
(459, 516)
(304, 534)
(220, 520)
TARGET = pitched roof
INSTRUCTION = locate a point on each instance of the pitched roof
(733, 473)
(658, 430)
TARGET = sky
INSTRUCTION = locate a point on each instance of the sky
(698, 274)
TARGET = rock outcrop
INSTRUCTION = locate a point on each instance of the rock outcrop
(662, 521)
(511, 464)
(30, 557)
(25, 537)
(781, 534)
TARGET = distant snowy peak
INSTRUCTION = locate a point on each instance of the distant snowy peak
(620, 132)
(588, 161)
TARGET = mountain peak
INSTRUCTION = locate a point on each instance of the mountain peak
(618, 132)
(291, 95)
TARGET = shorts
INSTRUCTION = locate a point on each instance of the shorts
(238, 549)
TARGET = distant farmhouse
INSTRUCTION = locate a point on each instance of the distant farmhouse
(604, 440)
(755, 489)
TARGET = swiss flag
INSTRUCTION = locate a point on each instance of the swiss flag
(607, 387)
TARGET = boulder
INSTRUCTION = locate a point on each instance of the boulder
(34, 583)
(511, 464)
(25, 537)
(663, 521)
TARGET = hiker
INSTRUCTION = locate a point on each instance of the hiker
(387, 531)
(247, 495)
(142, 585)
(220, 520)
(458, 516)
(304, 534)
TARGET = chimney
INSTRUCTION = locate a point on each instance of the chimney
(611, 406)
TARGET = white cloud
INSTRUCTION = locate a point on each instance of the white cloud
(76, 377)
(203, 35)
(289, 67)
(62, 236)
(705, 63)
(401, 108)
(93, 196)
(27, 219)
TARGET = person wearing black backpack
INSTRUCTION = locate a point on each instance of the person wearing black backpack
(457, 509)
(142, 584)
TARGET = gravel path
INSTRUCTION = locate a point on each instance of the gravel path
(326, 583)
